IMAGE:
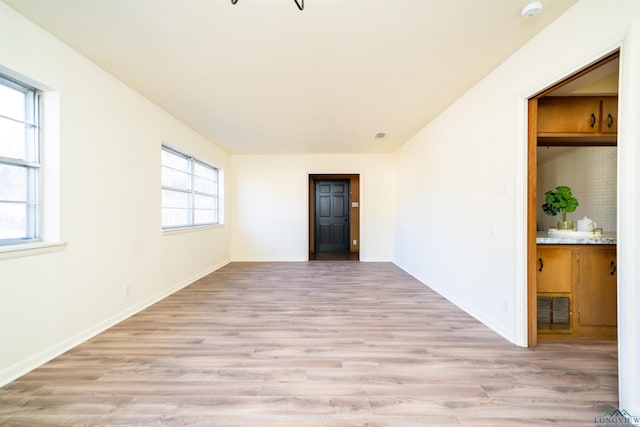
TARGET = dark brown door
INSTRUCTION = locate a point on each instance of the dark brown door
(332, 216)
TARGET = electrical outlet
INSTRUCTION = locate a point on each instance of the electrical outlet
(355, 243)
(126, 291)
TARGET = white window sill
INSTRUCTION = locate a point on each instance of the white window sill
(30, 249)
(180, 230)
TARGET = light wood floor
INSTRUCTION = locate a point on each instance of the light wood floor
(312, 344)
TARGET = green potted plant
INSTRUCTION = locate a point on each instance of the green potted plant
(560, 201)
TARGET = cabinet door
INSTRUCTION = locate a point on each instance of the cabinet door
(597, 286)
(564, 114)
(609, 114)
(554, 269)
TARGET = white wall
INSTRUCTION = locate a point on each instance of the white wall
(271, 209)
(464, 176)
(458, 187)
(109, 207)
(591, 173)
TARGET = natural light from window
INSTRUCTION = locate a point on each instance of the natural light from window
(189, 191)
(19, 163)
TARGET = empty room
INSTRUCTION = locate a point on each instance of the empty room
(319, 213)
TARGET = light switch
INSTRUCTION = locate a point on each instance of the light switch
(354, 204)
(492, 229)
(505, 187)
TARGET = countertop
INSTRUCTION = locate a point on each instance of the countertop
(543, 238)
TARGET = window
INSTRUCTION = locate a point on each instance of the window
(189, 191)
(19, 162)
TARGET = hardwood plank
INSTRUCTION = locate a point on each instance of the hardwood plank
(313, 344)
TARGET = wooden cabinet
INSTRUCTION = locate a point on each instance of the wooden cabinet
(597, 286)
(554, 269)
(609, 114)
(578, 117)
(568, 114)
(577, 291)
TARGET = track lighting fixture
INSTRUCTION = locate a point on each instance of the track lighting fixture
(299, 3)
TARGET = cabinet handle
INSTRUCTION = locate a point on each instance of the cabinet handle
(609, 121)
(613, 268)
(593, 120)
(541, 264)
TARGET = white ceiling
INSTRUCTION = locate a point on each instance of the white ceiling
(262, 76)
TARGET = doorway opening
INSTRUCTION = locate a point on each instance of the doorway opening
(334, 217)
(572, 142)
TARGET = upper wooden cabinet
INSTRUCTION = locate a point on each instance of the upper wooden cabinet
(610, 114)
(577, 116)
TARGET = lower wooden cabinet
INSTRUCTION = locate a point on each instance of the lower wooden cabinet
(577, 291)
(596, 290)
(555, 269)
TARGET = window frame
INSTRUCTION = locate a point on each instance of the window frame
(192, 192)
(32, 162)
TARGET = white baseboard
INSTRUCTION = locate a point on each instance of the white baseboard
(490, 323)
(17, 370)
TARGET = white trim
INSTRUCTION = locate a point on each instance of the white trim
(469, 309)
(628, 231)
(190, 229)
(520, 200)
(18, 369)
(30, 249)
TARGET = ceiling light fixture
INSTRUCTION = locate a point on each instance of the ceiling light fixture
(530, 10)
(300, 3)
